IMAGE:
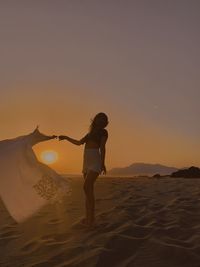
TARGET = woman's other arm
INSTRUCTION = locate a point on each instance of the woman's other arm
(103, 153)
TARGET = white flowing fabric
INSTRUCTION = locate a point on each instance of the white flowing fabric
(25, 183)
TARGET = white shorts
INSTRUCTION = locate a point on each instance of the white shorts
(91, 160)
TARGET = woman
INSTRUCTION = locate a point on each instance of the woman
(93, 160)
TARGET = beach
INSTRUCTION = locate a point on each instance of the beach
(140, 222)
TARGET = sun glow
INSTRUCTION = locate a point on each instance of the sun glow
(49, 156)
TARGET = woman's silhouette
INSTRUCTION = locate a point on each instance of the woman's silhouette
(93, 160)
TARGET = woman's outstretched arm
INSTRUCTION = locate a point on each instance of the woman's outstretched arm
(71, 140)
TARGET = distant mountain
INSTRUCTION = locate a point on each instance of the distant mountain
(142, 169)
(192, 172)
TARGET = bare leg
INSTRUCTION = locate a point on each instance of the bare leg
(86, 219)
(89, 193)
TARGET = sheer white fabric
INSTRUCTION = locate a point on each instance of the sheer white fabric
(25, 183)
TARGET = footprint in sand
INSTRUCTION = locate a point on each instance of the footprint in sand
(30, 246)
(54, 222)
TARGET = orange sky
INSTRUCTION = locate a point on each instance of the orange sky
(130, 140)
(137, 61)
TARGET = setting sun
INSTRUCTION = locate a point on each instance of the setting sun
(49, 157)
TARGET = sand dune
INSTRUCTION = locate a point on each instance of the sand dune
(140, 222)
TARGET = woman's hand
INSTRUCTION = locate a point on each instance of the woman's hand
(62, 137)
(54, 136)
(103, 169)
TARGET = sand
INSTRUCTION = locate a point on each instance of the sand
(140, 222)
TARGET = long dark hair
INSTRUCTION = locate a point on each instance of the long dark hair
(93, 126)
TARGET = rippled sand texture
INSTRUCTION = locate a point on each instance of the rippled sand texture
(140, 222)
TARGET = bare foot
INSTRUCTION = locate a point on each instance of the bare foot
(91, 223)
(84, 221)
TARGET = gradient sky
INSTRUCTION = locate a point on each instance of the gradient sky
(139, 61)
